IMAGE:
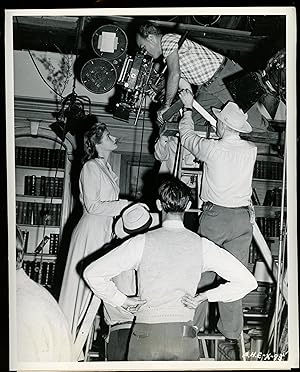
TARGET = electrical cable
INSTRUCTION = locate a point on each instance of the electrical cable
(204, 22)
(141, 148)
(35, 65)
(72, 97)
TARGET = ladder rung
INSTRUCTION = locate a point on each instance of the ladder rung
(210, 337)
(191, 171)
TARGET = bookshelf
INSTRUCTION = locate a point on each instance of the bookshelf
(267, 191)
(267, 184)
(43, 196)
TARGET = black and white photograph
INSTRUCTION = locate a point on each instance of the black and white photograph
(151, 177)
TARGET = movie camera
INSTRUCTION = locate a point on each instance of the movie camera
(133, 76)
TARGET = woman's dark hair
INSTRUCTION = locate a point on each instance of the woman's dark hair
(92, 137)
(148, 28)
(174, 195)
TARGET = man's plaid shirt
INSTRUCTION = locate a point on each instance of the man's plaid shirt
(197, 63)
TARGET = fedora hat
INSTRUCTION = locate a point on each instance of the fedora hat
(233, 117)
(134, 219)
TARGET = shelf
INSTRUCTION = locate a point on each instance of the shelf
(266, 180)
(268, 207)
(27, 167)
(46, 256)
(40, 197)
(41, 226)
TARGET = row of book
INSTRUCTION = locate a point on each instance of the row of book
(32, 213)
(43, 186)
(40, 157)
(40, 272)
(53, 243)
(269, 226)
(268, 170)
(273, 197)
(254, 253)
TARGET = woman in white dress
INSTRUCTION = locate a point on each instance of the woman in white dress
(99, 195)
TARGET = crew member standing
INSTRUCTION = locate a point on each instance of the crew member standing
(226, 191)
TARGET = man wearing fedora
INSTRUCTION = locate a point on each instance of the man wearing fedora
(226, 192)
(134, 219)
(169, 262)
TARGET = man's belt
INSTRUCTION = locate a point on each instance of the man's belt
(207, 206)
(215, 75)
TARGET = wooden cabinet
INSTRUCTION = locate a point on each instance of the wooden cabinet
(43, 196)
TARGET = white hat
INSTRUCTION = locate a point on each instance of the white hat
(233, 117)
(134, 219)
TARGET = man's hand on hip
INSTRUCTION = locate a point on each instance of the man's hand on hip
(133, 304)
(192, 302)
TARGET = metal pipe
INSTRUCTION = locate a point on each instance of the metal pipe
(282, 236)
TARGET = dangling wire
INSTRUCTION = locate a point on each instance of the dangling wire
(141, 149)
(77, 48)
(66, 106)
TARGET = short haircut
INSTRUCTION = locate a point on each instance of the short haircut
(148, 28)
(174, 195)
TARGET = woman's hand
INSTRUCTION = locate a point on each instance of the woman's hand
(192, 302)
(187, 98)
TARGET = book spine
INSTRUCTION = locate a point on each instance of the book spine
(38, 186)
(44, 273)
(25, 238)
(51, 186)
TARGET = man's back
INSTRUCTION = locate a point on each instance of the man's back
(228, 170)
(228, 166)
(170, 267)
(197, 63)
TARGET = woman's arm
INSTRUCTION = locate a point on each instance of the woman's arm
(93, 185)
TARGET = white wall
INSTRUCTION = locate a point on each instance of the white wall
(28, 83)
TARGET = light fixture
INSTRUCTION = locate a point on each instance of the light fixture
(70, 115)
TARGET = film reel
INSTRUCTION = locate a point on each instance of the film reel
(98, 75)
(109, 42)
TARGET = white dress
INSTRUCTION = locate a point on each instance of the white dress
(99, 194)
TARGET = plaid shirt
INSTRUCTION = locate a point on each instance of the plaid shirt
(197, 63)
